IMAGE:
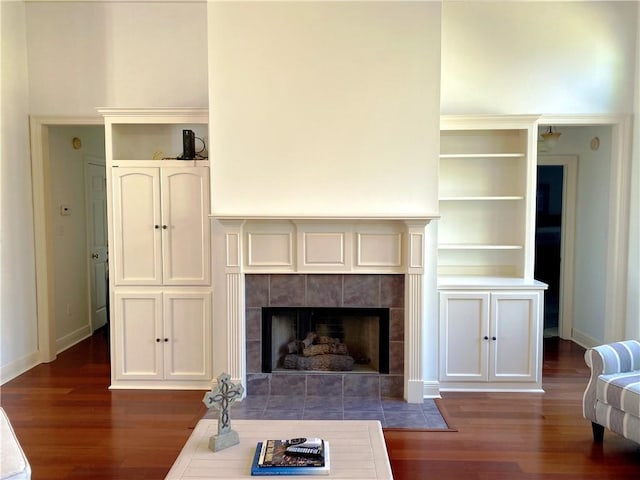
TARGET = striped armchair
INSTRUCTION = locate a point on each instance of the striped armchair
(612, 396)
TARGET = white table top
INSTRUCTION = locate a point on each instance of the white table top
(13, 462)
(358, 451)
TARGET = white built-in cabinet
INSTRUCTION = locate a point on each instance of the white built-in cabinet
(159, 255)
(490, 337)
(163, 335)
(159, 225)
(491, 307)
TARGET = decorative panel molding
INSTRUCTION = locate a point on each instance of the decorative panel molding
(233, 245)
(269, 249)
(379, 249)
(416, 246)
(416, 250)
(233, 249)
(331, 247)
(323, 249)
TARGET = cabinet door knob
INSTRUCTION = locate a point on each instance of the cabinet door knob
(486, 338)
(156, 226)
(166, 339)
(493, 338)
(158, 340)
(164, 227)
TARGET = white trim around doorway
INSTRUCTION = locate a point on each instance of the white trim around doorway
(618, 225)
(43, 242)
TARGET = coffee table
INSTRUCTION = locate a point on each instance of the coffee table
(358, 451)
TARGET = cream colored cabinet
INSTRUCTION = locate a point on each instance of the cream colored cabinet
(159, 249)
(160, 225)
(163, 335)
(490, 305)
(491, 340)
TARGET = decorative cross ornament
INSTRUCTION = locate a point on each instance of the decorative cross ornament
(221, 397)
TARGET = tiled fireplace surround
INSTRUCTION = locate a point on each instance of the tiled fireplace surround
(325, 290)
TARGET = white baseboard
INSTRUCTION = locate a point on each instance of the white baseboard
(160, 385)
(584, 340)
(71, 339)
(18, 367)
(431, 389)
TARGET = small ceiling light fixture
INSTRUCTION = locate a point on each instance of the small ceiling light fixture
(550, 137)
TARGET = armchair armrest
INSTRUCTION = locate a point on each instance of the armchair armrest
(605, 359)
(614, 357)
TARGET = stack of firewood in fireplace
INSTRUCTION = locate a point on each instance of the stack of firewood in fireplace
(318, 352)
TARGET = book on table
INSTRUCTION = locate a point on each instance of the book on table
(296, 456)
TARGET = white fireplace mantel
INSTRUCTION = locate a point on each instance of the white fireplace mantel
(326, 245)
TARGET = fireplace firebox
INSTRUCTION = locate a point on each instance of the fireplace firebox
(325, 339)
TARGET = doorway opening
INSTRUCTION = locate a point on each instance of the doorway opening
(61, 149)
(557, 178)
(78, 212)
(549, 206)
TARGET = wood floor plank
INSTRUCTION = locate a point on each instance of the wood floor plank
(72, 426)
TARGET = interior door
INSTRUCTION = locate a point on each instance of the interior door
(96, 211)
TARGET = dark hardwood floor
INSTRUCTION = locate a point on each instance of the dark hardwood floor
(72, 427)
(519, 436)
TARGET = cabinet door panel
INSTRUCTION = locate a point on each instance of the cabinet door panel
(464, 324)
(514, 324)
(138, 336)
(185, 203)
(187, 325)
(136, 222)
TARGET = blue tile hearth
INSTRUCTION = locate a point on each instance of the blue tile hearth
(391, 412)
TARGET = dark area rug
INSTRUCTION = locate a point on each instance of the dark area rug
(393, 413)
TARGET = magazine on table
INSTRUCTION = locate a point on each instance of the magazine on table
(296, 456)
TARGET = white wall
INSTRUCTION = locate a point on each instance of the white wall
(72, 319)
(18, 335)
(538, 57)
(84, 55)
(326, 109)
(633, 305)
